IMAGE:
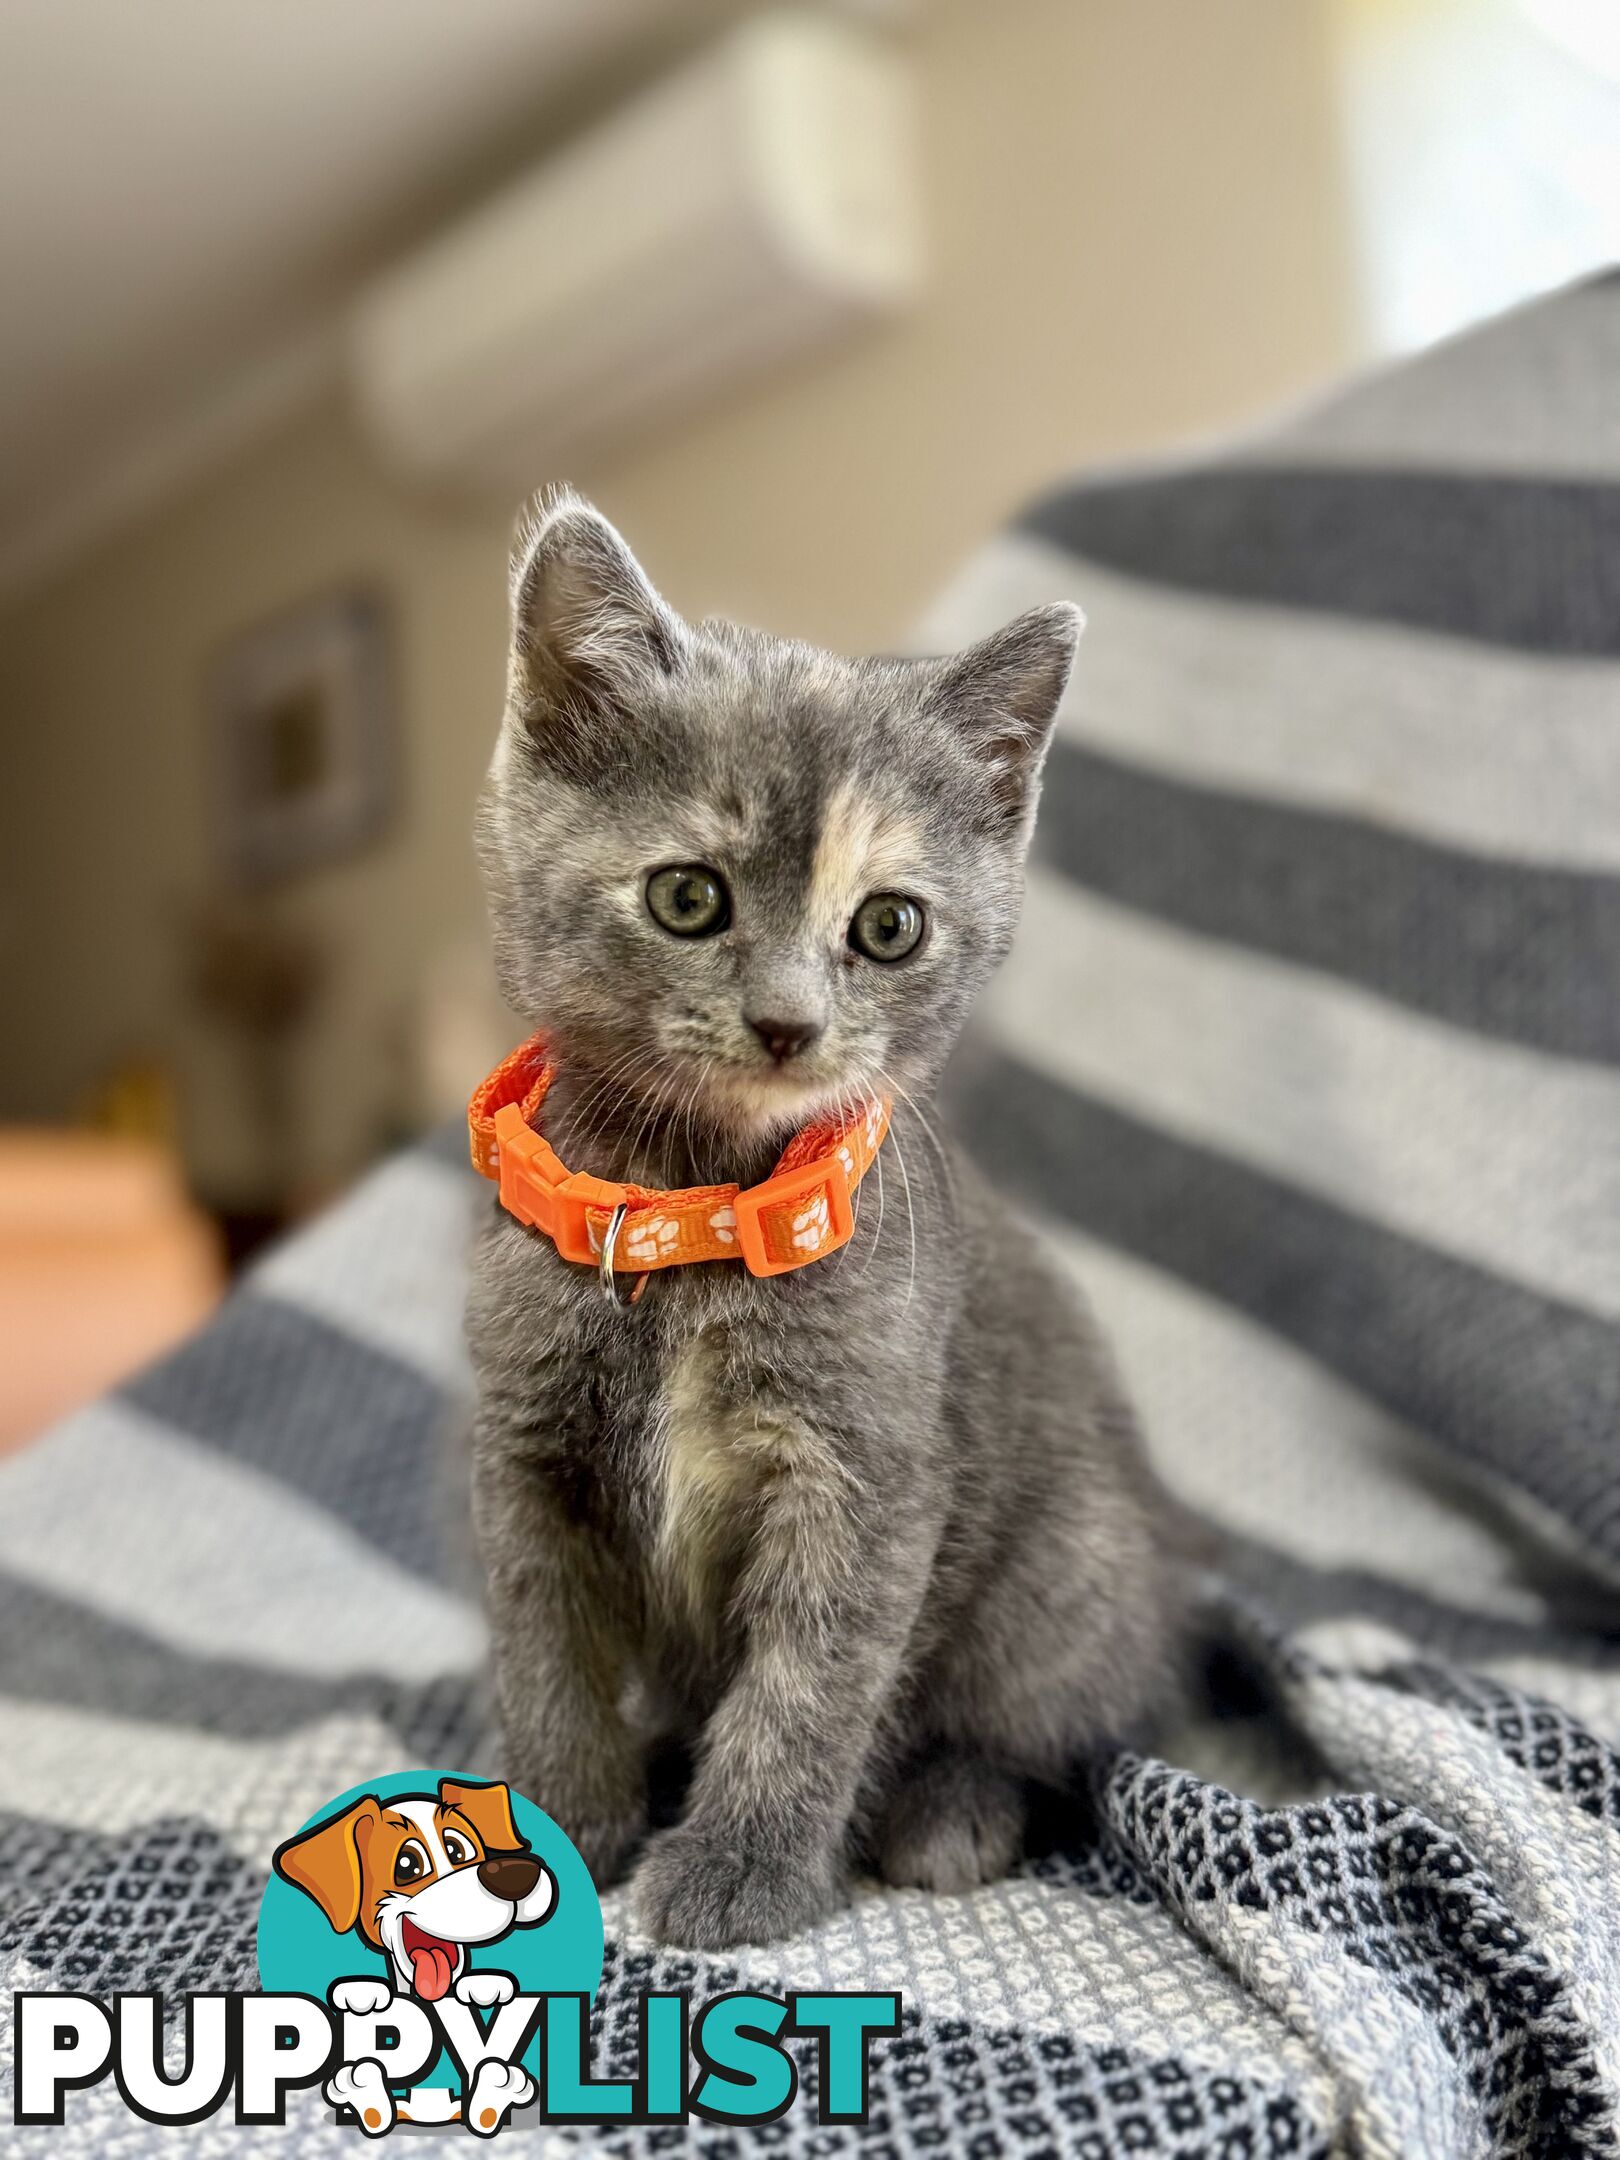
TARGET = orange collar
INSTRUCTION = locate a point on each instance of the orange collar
(800, 1213)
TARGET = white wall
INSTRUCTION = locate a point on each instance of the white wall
(1137, 233)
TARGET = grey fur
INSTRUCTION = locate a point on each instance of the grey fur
(875, 1538)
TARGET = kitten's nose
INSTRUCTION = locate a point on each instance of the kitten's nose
(784, 1039)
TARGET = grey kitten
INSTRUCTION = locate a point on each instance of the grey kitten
(876, 1538)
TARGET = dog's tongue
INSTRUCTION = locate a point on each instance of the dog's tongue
(433, 1965)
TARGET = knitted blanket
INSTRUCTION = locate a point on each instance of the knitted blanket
(1309, 1060)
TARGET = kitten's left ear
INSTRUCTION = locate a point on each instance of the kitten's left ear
(1002, 695)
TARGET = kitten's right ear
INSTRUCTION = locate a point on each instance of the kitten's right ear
(1002, 696)
(588, 629)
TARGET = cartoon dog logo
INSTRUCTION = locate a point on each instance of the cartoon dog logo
(423, 1879)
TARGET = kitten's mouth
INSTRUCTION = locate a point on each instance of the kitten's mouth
(773, 1096)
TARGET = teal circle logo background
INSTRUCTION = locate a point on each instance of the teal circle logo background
(300, 1953)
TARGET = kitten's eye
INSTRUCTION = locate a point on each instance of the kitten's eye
(411, 1863)
(457, 1850)
(887, 926)
(690, 901)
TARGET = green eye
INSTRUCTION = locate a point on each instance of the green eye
(887, 926)
(689, 901)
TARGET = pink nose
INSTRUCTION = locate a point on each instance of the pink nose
(784, 1039)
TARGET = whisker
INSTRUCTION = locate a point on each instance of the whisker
(855, 1224)
(877, 1228)
(929, 1133)
(911, 1221)
(683, 1126)
(602, 1088)
(644, 1129)
(845, 1110)
(698, 1087)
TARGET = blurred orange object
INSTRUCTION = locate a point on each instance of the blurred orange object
(104, 1264)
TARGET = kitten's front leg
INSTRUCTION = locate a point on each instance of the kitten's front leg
(831, 1587)
(561, 1638)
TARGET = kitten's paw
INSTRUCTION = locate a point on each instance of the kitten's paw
(955, 1822)
(702, 1894)
(362, 2086)
(496, 2090)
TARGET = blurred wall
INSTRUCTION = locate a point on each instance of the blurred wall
(1137, 233)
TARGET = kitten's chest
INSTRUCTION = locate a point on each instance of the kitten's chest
(668, 1428)
(710, 1466)
(705, 1446)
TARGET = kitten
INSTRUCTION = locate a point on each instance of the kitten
(875, 1537)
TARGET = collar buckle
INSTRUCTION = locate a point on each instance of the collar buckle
(795, 1216)
(541, 1193)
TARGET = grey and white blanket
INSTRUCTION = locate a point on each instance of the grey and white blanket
(1310, 1059)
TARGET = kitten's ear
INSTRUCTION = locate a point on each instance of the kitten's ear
(588, 629)
(1002, 696)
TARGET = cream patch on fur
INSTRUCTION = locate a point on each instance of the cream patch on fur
(719, 1456)
(705, 1482)
(864, 847)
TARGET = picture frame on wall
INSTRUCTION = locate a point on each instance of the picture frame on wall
(302, 714)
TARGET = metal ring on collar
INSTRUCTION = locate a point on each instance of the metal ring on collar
(605, 1272)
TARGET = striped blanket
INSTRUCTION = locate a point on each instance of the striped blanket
(1309, 1058)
